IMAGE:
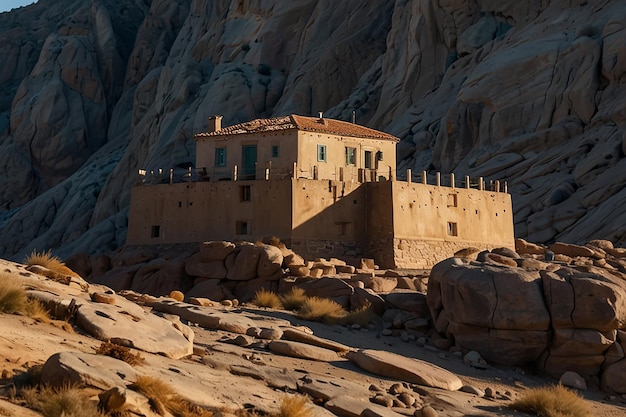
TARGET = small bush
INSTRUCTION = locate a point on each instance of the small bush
(363, 316)
(555, 401)
(163, 398)
(13, 300)
(321, 309)
(13, 297)
(294, 406)
(119, 352)
(264, 298)
(47, 260)
(294, 299)
(60, 402)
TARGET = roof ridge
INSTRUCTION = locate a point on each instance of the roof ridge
(305, 123)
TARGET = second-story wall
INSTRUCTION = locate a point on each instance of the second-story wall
(330, 154)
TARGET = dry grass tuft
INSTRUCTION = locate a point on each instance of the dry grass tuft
(60, 402)
(47, 260)
(555, 401)
(294, 406)
(322, 309)
(264, 298)
(164, 399)
(363, 316)
(120, 352)
(13, 300)
(294, 299)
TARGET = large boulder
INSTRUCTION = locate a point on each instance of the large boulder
(399, 367)
(125, 323)
(215, 251)
(242, 264)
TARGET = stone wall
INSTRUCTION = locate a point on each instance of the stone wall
(424, 254)
(312, 249)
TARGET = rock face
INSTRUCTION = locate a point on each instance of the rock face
(92, 92)
(564, 316)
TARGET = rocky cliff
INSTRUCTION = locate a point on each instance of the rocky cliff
(528, 92)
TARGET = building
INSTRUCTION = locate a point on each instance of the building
(324, 187)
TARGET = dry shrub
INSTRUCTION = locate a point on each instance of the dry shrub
(321, 309)
(67, 401)
(47, 260)
(294, 299)
(164, 399)
(363, 316)
(13, 300)
(294, 406)
(555, 401)
(264, 298)
(120, 352)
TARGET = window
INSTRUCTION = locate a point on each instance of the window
(220, 157)
(245, 193)
(452, 229)
(155, 231)
(368, 160)
(274, 151)
(350, 156)
(241, 228)
(321, 153)
(452, 202)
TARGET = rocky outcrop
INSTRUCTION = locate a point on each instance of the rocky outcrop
(92, 92)
(563, 315)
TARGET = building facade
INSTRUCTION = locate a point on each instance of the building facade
(325, 188)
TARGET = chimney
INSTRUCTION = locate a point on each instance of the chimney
(215, 123)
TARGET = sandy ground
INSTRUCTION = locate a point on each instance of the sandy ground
(25, 343)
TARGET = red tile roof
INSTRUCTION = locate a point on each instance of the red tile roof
(309, 124)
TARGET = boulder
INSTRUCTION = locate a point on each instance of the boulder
(573, 380)
(205, 317)
(242, 264)
(398, 367)
(409, 301)
(96, 371)
(310, 339)
(507, 347)
(487, 296)
(196, 267)
(350, 406)
(571, 250)
(160, 276)
(614, 378)
(581, 342)
(500, 259)
(209, 288)
(215, 251)
(583, 300)
(270, 260)
(127, 324)
(302, 350)
(526, 248)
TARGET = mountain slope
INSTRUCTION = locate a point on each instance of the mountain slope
(525, 92)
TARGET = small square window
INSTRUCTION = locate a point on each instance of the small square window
(245, 193)
(350, 156)
(274, 151)
(452, 229)
(155, 231)
(452, 202)
(321, 153)
(220, 157)
(242, 228)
